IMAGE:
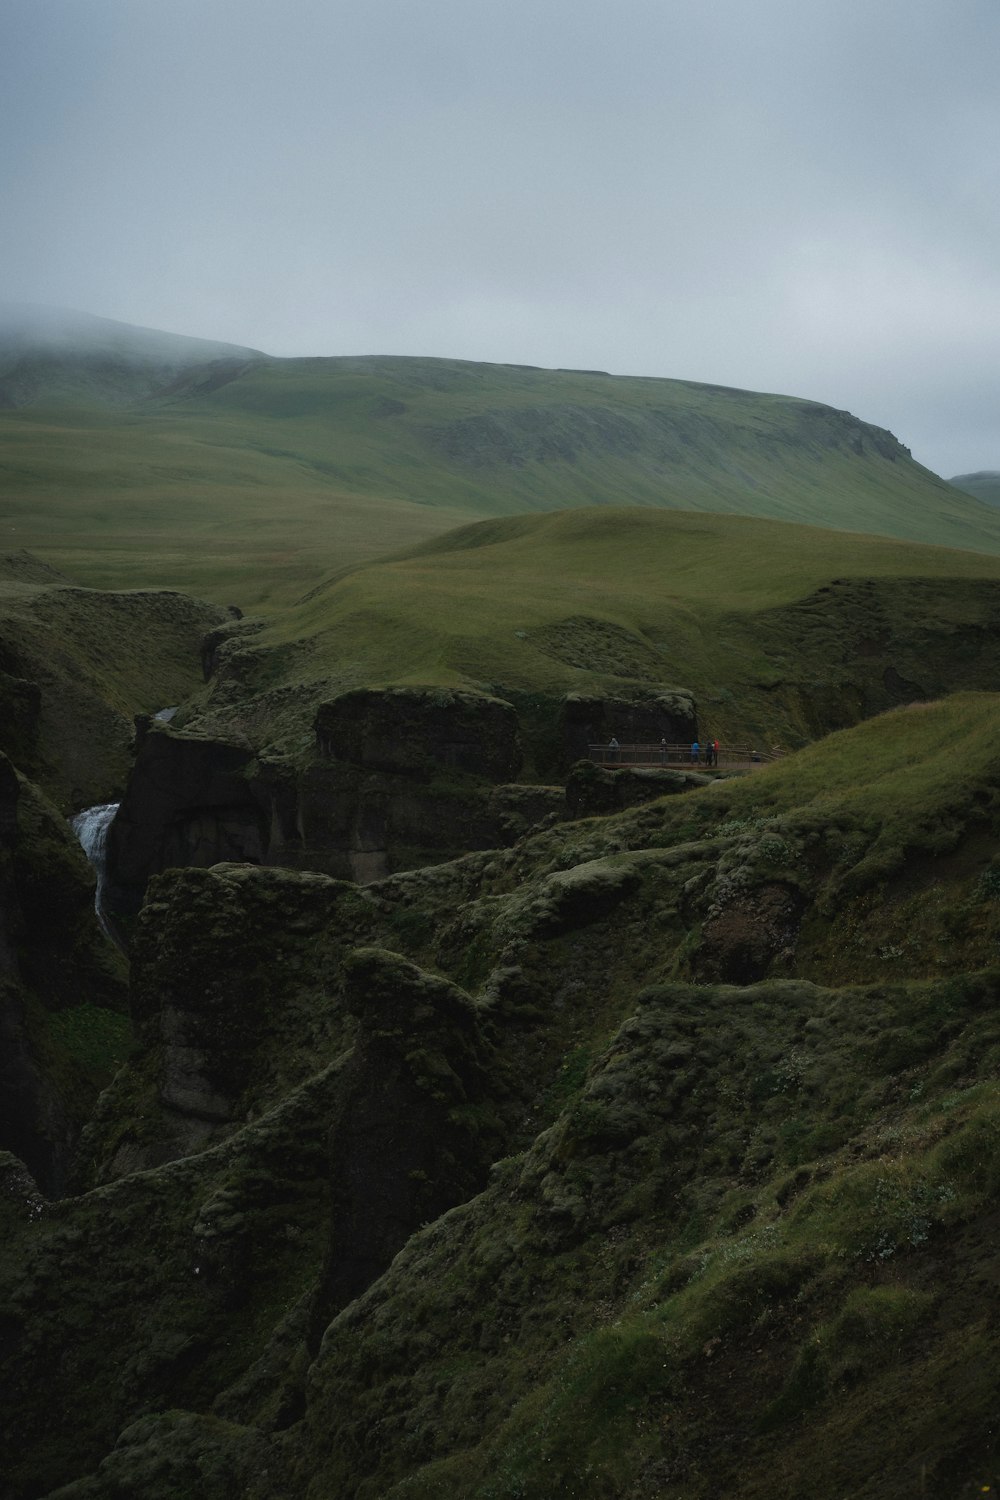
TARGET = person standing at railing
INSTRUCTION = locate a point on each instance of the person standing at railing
(663, 751)
(614, 749)
(695, 752)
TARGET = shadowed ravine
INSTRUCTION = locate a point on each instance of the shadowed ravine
(475, 1121)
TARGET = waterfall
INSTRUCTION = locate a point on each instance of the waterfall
(91, 828)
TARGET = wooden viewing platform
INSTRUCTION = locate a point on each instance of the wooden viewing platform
(651, 757)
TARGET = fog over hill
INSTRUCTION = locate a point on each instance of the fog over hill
(57, 354)
(121, 444)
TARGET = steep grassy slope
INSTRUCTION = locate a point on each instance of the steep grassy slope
(741, 1234)
(77, 664)
(759, 619)
(249, 478)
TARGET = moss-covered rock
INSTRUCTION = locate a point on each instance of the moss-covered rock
(62, 989)
(644, 717)
(235, 990)
(418, 731)
(509, 1199)
(77, 665)
(593, 790)
(418, 1123)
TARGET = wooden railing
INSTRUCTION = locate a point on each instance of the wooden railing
(731, 757)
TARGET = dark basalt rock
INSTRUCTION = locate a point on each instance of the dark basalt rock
(593, 791)
(746, 940)
(188, 802)
(643, 718)
(52, 959)
(417, 731)
(20, 712)
(416, 1130)
(220, 961)
(403, 778)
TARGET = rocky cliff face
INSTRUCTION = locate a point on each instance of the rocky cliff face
(644, 717)
(483, 1169)
(77, 664)
(400, 778)
(74, 666)
(421, 732)
(62, 989)
(652, 1152)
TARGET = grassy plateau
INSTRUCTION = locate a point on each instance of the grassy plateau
(740, 611)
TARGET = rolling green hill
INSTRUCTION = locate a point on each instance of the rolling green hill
(234, 475)
(984, 485)
(780, 631)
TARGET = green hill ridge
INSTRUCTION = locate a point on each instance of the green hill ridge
(983, 485)
(236, 471)
(780, 631)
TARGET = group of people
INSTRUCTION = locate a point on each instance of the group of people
(710, 751)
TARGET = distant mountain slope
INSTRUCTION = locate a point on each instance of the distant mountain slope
(141, 458)
(984, 485)
(51, 355)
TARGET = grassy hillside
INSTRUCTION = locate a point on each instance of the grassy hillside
(51, 355)
(127, 502)
(984, 485)
(583, 1167)
(77, 664)
(250, 478)
(601, 600)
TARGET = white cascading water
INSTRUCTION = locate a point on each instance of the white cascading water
(91, 828)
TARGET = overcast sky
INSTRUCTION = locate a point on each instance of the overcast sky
(787, 195)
